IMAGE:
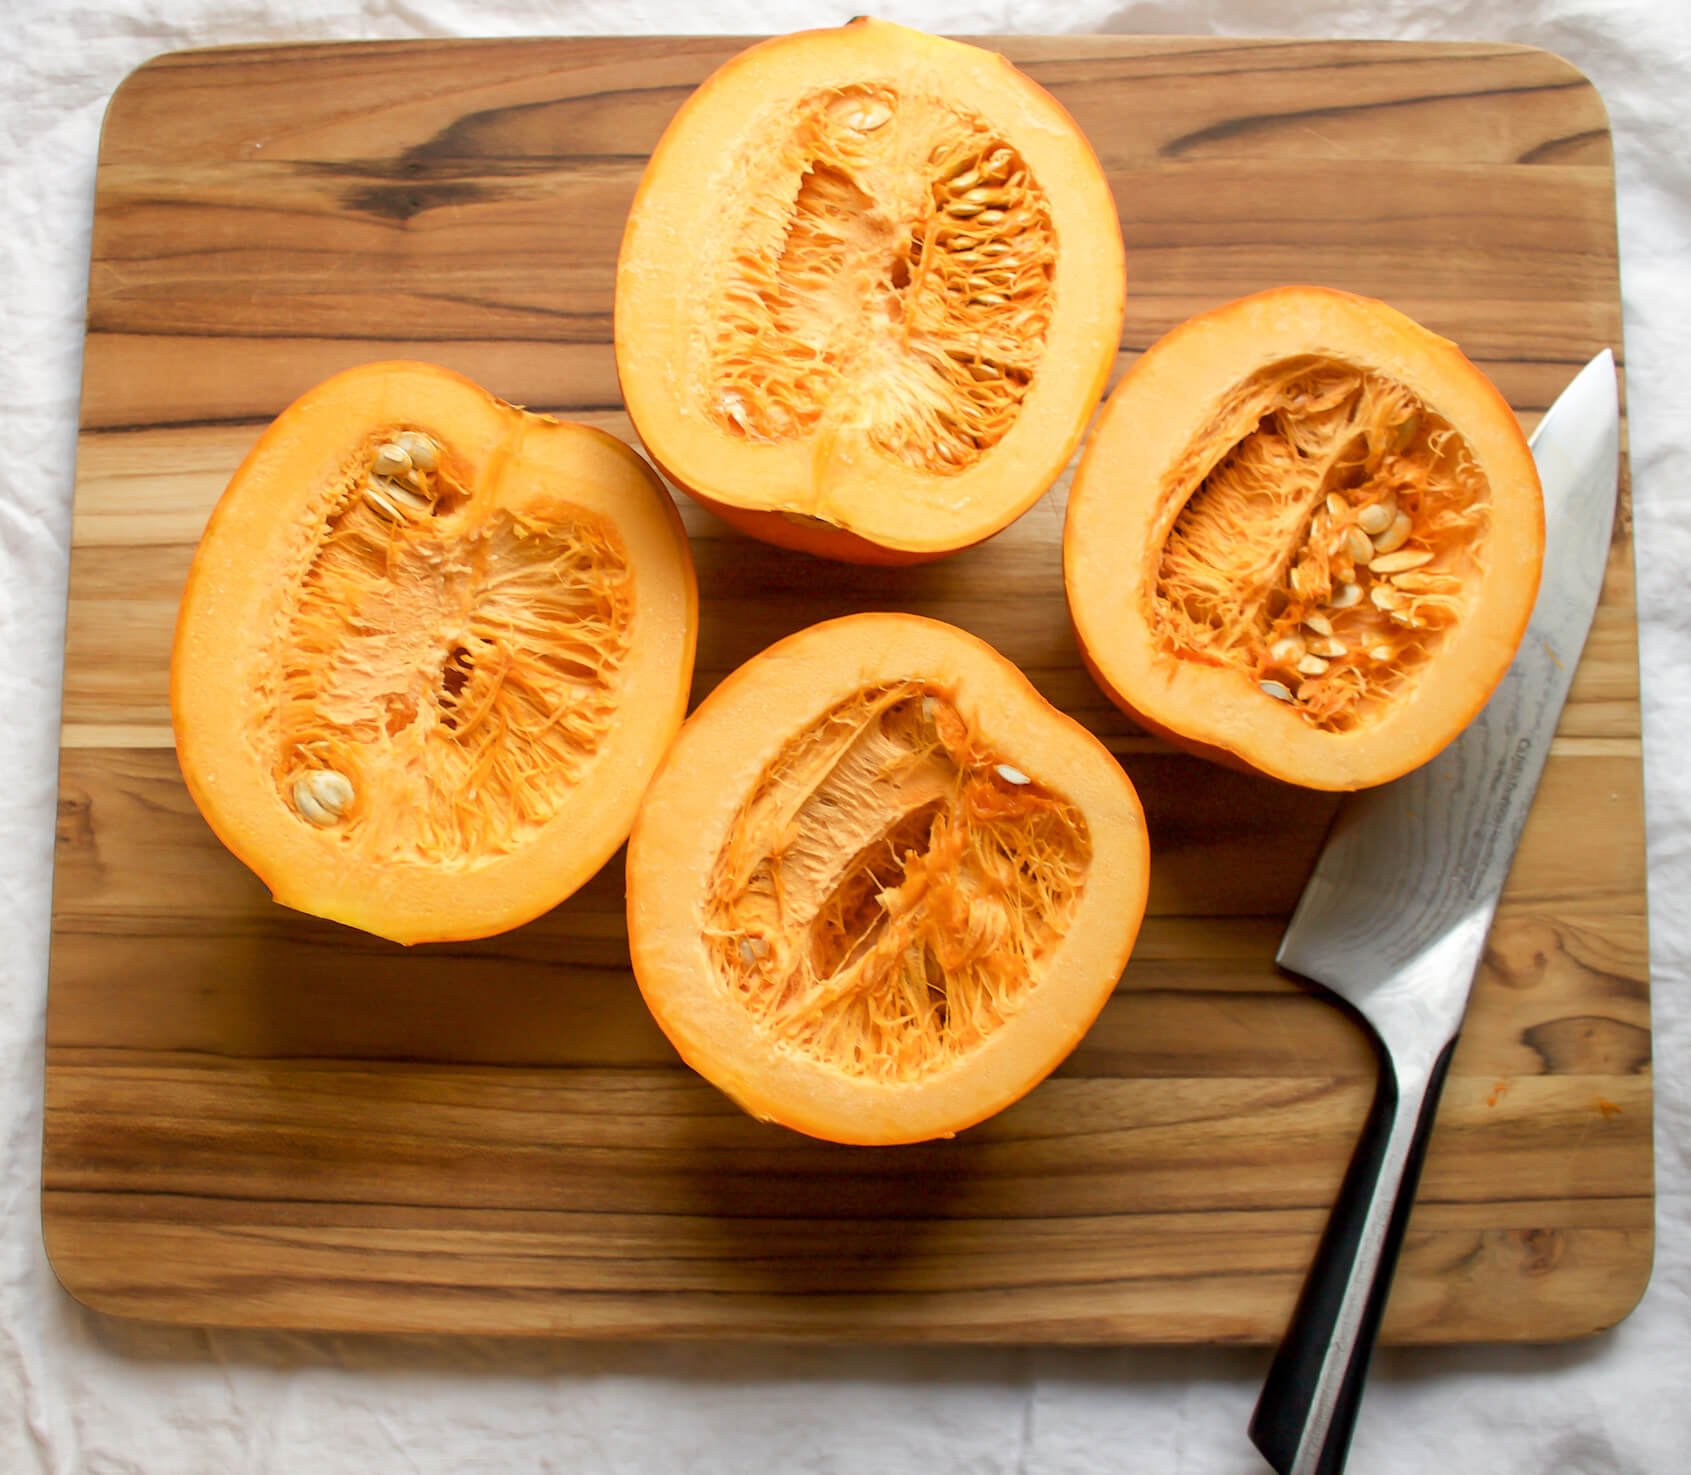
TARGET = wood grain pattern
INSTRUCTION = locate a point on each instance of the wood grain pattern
(259, 1118)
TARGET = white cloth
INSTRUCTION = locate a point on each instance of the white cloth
(79, 1393)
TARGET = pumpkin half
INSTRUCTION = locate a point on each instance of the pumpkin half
(430, 651)
(1304, 538)
(879, 887)
(869, 293)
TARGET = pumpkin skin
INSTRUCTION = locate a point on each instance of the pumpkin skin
(869, 293)
(426, 704)
(1304, 539)
(880, 888)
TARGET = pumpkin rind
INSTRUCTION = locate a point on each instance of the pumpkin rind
(475, 665)
(879, 794)
(1414, 611)
(825, 336)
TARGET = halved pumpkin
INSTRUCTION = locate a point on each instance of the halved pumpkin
(430, 652)
(1305, 538)
(869, 293)
(880, 888)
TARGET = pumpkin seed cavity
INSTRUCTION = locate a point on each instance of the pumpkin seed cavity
(889, 889)
(437, 685)
(1323, 501)
(890, 275)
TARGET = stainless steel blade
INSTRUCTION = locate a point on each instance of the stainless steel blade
(1396, 912)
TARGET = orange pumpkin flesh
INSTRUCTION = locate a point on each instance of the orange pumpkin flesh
(869, 293)
(879, 888)
(1305, 538)
(430, 651)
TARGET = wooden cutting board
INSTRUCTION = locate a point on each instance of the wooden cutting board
(257, 1118)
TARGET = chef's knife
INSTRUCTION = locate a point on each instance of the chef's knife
(1393, 920)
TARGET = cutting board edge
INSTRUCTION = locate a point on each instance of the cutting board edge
(1116, 1331)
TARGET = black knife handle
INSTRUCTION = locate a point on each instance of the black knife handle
(1285, 1408)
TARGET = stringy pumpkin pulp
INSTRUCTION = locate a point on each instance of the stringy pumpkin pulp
(1335, 533)
(890, 268)
(888, 889)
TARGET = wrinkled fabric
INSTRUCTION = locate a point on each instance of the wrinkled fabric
(82, 1393)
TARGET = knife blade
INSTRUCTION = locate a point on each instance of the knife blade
(1394, 918)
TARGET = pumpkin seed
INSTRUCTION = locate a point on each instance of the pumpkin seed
(418, 447)
(734, 408)
(1375, 519)
(869, 117)
(1336, 505)
(322, 796)
(394, 500)
(1422, 583)
(1318, 622)
(1012, 775)
(1386, 598)
(965, 179)
(1345, 596)
(1275, 689)
(409, 497)
(1395, 536)
(1330, 648)
(1382, 652)
(1312, 666)
(1402, 562)
(1358, 546)
(1286, 651)
(391, 460)
(373, 495)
